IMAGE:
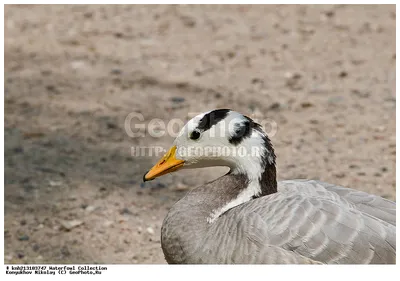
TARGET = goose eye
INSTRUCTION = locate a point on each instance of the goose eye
(194, 135)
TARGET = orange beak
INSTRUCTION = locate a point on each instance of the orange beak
(167, 164)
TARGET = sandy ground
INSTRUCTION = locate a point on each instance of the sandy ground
(324, 74)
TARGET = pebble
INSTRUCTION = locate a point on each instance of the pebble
(18, 149)
(65, 251)
(188, 21)
(140, 230)
(340, 175)
(150, 230)
(51, 88)
(23, 237)
(90, 208)
(55, 183)
(125, 211)
(78, 64)
(181, 187)
(108, 223)
(68, 225)
(116, 71)
(35, 247)
(275, 106)
(177, 99)
(306, 104)
(292, 75)
(343, 74)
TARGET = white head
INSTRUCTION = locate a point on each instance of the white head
(219, 138)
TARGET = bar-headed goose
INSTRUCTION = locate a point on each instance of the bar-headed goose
(245, 216)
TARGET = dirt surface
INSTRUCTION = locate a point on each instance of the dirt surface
(324, 74)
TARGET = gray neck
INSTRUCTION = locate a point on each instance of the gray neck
(187, 223)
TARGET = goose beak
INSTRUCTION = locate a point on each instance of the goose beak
(167, 164)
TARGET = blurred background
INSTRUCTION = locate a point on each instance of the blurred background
(73, 191)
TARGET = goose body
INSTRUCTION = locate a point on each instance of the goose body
(247, 217)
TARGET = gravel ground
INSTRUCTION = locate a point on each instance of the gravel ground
(325, 75)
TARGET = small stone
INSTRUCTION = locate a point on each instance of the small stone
(40, 226)
(140, 230)
(20, 255)
(361, 94)
(177, 99)
(150, 230)
(292, 75)
(377, 174)
(188, 21)
(108, 223)
(118, 34)
(78, 64)
(116, 71)
(306, 104)
(18, 149)
(329, 14)
(384, 169)
(340, 175)
(90, 208)
(125, 211)
(275, 106)
(343, 74)
(23, 237)
(55, 183)
(181, 187)
(231, 54)
(35, 247)
(51, 88)
(65, 252)
(293, 80)
(88, 15)
(68, 225)
(22, 222)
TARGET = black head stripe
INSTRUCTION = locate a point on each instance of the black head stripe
(212, 118)
(243, 130)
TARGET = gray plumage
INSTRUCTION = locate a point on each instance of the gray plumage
(306, 221)
(247, 217)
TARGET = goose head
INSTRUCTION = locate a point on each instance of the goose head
(222, 137)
